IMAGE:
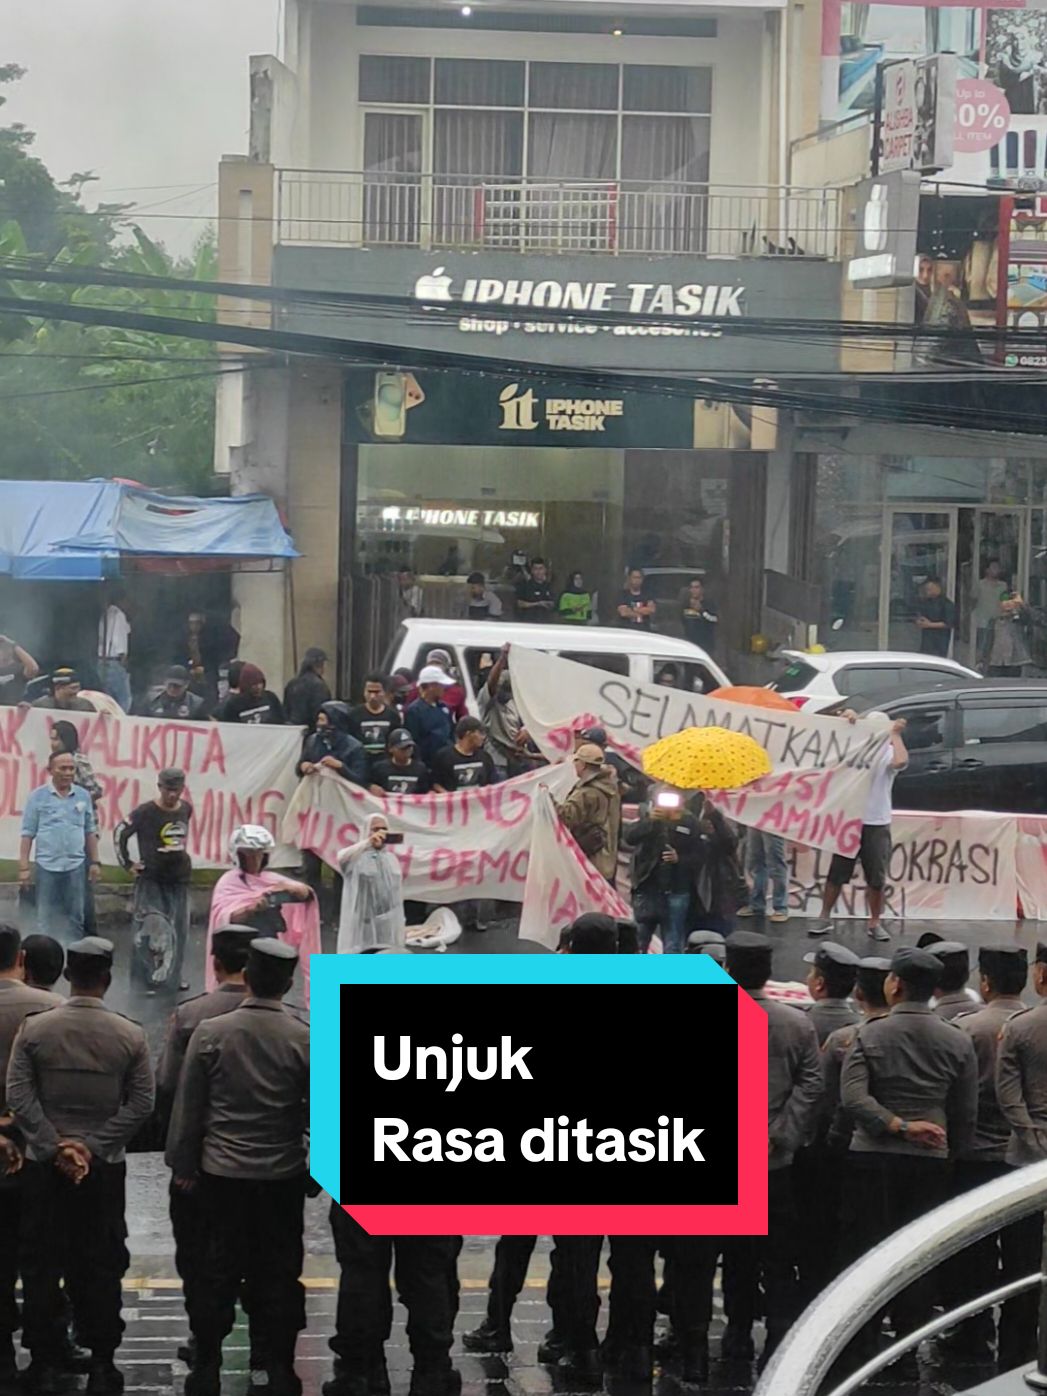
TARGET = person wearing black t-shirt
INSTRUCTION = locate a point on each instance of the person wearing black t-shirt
(465, 765)
(534, 595)
(254, 704)
(373, 721)
(162, 869)
(637, 607)
(400, 773)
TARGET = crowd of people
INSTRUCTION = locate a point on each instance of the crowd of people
(895, 1088)
(534, 598)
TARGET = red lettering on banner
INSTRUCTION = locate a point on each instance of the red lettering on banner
(9, 772)
(442, 864)
(562, 905)
(215, 753)
(10, 726)
(493, 867)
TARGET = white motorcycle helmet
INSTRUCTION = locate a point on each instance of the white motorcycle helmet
(250, 838)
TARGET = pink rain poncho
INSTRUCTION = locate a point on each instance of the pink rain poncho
(236, 892)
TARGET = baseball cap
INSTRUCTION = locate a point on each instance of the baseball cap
(594, 734)
(590, 754)
(400, 738)
(432, 673)
(178, 673)
(171, 776)
(60, 677)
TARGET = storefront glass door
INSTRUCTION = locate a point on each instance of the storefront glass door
(999, 538)
(922, 543)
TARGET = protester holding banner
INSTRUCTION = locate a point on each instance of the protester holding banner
(593, 809)
(508, 740)
(333, 747)
(875, 848)
(399, 772)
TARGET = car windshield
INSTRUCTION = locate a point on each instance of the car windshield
(795, 676)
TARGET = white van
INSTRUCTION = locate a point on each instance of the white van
(638, 655)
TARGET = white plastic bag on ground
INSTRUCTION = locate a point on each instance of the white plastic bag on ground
(439, 930)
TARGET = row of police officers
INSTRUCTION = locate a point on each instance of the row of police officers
(895, 1089)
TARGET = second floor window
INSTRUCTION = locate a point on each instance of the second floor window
(489, 119)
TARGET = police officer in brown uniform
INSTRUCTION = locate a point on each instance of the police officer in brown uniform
(910, 1083)
(229, 947)
(829, 983)
(1021, 1090)
(80, 1085)
(826, 1259)
(238, 1139)
(794, 1085)
(951, 999)
(816, 1171)
(996, 1259)
(17, 1001)
(870, 1001)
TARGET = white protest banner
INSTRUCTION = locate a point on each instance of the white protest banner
(234, 774)
(460, 846)
(561, 882)
(820, 784)
(943, 867)
(1031, 861)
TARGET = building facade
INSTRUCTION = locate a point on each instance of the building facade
(423, 184)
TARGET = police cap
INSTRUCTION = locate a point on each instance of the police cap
(993, 958)
(831, 956)
(272, 949)
(875, 963)
(749, 951)
(233, 937)
(928, 939)
(92, 948)
(911, 963)
(749, 940)
(949, 950)
(707, 943)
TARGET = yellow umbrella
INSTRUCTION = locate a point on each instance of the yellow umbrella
(706, 758)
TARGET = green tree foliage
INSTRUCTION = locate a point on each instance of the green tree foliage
(78, 402)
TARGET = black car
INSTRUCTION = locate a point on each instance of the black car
(981, 745)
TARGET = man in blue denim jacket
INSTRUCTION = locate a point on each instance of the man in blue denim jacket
(59, 819)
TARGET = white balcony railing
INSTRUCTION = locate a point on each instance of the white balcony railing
(338, 208)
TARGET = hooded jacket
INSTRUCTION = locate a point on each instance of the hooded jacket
(595, 801)
(336, 740)
(305, 695)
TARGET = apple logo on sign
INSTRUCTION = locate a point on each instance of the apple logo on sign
(433, 286)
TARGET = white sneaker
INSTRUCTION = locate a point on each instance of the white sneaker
(820, 928)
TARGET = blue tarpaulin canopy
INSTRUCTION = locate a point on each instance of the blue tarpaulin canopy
(79, 531)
